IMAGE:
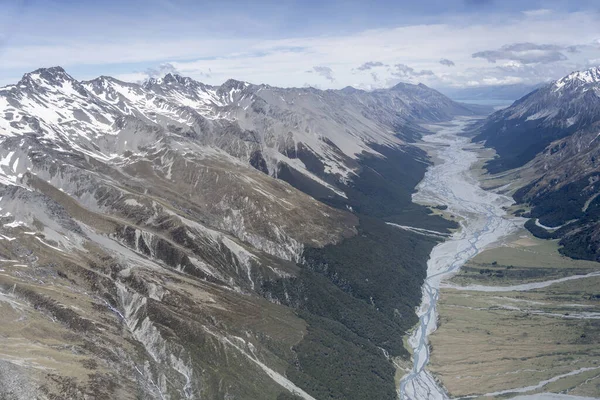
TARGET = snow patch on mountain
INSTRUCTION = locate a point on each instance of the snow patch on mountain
(585, 77)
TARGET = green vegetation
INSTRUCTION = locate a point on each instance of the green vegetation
(538, 231)
(568, 207)
(516, 141)
(384, 189)
(526, 259)
(358, 297)
(382, 266)
(557, 207)
(288, 396)
(582, 245)
(480, 273)
(353, 367)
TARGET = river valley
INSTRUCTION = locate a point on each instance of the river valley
(483, 222)
(484, 225)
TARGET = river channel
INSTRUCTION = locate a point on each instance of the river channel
(483, 223)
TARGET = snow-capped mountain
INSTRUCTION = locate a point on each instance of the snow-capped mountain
(551, 112)
(578, 80)
(552, 135)
(267, 125)
(150, 246)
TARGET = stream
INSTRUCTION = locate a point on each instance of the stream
(483, 223)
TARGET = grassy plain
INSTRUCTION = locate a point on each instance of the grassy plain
(491, 342)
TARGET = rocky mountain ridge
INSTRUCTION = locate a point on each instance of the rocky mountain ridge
(154, 242)
(551, 135)
(549, 113)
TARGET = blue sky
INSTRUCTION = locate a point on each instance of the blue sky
(443, 43)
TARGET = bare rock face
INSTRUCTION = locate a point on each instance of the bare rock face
(138, 223)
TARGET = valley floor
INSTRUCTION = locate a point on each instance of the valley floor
(503, 313)
(520, 318)
(483, 222)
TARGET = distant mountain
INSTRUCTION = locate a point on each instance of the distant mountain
(551, 112)
(487, 94)
(176, 240)
(330, 127)
(552, 135)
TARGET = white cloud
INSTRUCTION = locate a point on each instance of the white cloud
(370, 65)
(406, 72)
(507, 80)
(284, 62)
(527, 53)
(161, 70)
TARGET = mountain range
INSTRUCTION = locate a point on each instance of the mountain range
(550, 136)
(173, 239)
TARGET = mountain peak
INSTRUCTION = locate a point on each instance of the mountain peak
(405, 85)
(103, 82)
(171, 79)
(350, 89)
(103, 78)
(56, 70)
(579, 78)
(53, 76)
(234, 84)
